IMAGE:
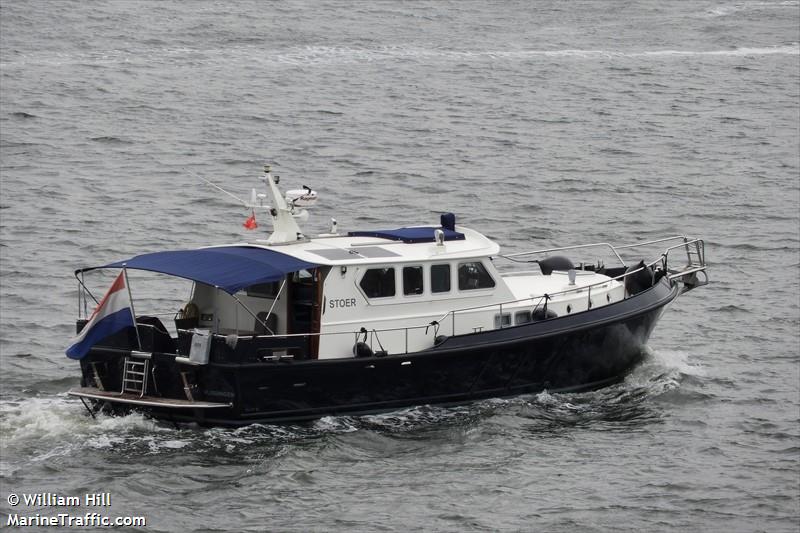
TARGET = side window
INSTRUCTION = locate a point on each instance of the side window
(264, 290)
(378, 282)
(473, 276)
(412, 280)
(440, 278)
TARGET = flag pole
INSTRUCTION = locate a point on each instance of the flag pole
(133, 311)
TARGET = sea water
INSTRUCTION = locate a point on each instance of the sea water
(540, 124)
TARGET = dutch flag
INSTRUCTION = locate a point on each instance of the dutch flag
(112, 314)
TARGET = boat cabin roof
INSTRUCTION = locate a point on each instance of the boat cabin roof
(235, 266)
(403, 245)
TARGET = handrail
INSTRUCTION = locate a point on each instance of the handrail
(559, 293)
(561, 249)
(695, 253)
(613, 248)
(699, 246)
(315, 334)
(452, 313)
(646, 243)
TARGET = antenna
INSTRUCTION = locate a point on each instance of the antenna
(284, 209)
(252, 204)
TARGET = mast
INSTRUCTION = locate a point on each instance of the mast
(284, 227)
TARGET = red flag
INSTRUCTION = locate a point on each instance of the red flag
(250, 223)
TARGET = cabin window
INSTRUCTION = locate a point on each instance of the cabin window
(302, 276)
(440, 278)
(412, 280)
(378, 282)
(473, 276)
(264, 290)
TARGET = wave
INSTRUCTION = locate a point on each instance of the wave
(723, 11)
(35, 430)
(110, 140)
(322, 54)
(791, 49)
(629, 402)
(41, 428)
(22, 114)
(325, 55)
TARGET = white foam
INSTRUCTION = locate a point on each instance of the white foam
(335, 424)
(174, 444)
(723, 11)
(37, 418)
(792, 49)
(337, 55)
(322, 54)
(56, 426)
(679, 360)
(545, 398)
(662, 371)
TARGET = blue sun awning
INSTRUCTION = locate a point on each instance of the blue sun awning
(231, 268)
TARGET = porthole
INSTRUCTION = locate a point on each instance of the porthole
(608, 297)
(502, 321)
(522, 317)
(569, 309)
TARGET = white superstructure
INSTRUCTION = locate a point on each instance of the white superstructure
(402, 288)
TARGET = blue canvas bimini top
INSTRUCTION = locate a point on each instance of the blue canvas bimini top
(410, 235)
(231, 268)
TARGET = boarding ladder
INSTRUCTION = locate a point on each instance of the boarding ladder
(695, 253)
(134, 376)
(696, 264)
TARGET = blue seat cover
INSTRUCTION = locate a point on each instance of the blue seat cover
(409, 235)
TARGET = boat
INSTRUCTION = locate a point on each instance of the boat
(291, 327)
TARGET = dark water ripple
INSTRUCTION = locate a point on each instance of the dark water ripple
(540, 125)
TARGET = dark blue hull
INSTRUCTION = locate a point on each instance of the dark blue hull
(577, 352)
